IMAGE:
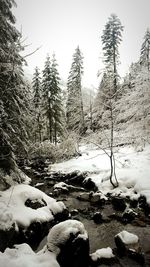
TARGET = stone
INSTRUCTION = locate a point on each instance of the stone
(119, 203)
(97, 217)
(83, 196)
(133, 203)
(74, 212)
(7, 238)
(35, 203)
(61, 216)
(89, 184)
(69, 241)
(98, 198)
(127, 242)
(103, 256)
(128, 216)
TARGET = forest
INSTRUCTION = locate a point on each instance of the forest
(74, 162)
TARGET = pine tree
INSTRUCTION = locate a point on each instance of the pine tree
(111, 39)
(36, 85)
(74, 106)
(145, 50)
(13, 90)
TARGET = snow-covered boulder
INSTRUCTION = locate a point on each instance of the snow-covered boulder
(23, 211)
(126, 241)
(69, 241)
(128, 244)
(102, 256)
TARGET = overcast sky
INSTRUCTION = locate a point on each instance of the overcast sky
(60, 25)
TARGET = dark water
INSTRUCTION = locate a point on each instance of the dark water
(102, 235)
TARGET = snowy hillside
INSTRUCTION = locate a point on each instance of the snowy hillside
(132, 169)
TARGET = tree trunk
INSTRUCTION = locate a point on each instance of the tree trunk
(50, 121)
(112, 160)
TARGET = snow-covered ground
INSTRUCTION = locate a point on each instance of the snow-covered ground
(14, 210)
(22, 255)
(132, 169)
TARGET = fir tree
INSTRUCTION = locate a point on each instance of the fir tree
(52, 99)
(145, 50)
(13, 90)
(46, 93)
(111, 39)
(74, 107)
(58, 112)
(36, 85)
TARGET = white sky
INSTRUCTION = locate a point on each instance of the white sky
(60, 25)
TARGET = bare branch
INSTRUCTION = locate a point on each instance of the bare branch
(30, 54)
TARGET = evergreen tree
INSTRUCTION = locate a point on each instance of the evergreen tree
(13, 90)
(58, 112)
(145, 50)
(46, 93)
(111, 39)
(52, 99)
(36, 85)
(74, 106)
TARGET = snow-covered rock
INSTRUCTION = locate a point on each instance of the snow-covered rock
(103, 256)
(61, 232)
(126, 242)
(128, 238)
(69, 241)
(13, 202)
(102, 253)
(26, 214)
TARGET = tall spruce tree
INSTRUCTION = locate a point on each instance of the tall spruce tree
(13, 90)
(145, 51)
(58, 113)
(46, 94)
(74, 106)
(37, 93)
(111, 38)
(52, 99)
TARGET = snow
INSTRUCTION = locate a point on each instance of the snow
(102, 253)
(13, 209)
(61, 185)
(22, 255)
(128, 238)
(61, 232)
(132, 169)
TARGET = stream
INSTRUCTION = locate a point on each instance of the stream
(101, 235)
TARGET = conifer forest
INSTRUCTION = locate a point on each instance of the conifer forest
(74, 158)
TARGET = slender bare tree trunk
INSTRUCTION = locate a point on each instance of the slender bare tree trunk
(112, 158)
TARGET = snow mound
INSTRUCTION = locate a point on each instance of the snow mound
(61, 232)
(22, 255)
(12, 206)
(102, 253)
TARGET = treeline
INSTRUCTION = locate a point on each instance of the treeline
(44, 112)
